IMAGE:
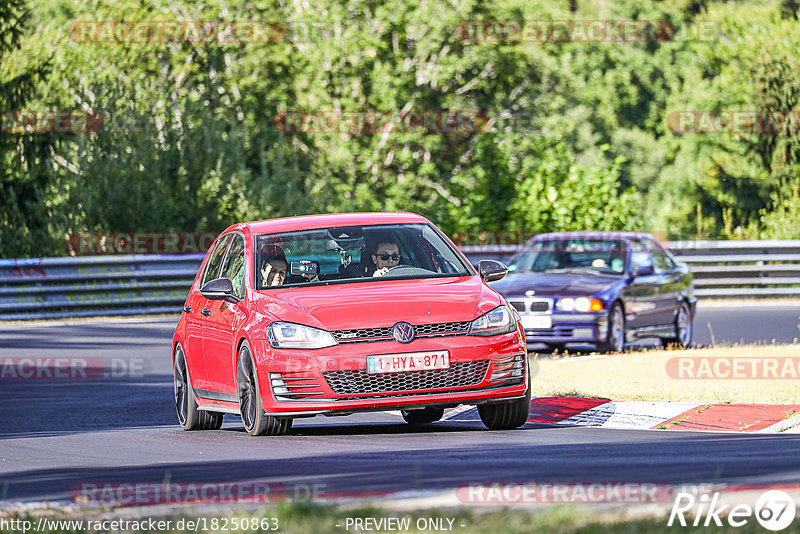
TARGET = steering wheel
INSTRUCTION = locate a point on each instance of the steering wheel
(403, 266)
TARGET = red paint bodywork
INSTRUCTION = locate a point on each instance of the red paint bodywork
(211, 343)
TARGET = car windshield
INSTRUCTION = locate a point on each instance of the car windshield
(354, 253)
(574, 255)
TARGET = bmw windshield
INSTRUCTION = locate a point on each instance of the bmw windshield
(354, 254)
(574, 255)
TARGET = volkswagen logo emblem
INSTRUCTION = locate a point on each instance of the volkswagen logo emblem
(403, 332)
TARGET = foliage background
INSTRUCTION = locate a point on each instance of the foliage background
(580, 139)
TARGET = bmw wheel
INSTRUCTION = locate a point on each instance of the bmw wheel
(255, 421)
(615, 337)
(190, 416)
(683, 328)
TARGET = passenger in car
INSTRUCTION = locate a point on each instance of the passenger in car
(273, 266)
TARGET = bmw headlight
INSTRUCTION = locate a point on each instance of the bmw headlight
(579, 304)
(498, 321)
(296, 336)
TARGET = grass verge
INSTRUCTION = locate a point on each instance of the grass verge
(672, 375)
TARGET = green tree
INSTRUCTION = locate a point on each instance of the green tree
(24, 214)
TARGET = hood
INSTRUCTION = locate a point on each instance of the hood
(379, 303)
(515, 284)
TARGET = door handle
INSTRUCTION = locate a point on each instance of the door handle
(206, 312)
(187, 309)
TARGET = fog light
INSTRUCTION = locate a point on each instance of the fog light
(507, 368)
(582, 332)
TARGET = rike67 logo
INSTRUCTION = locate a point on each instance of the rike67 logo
(774, 510)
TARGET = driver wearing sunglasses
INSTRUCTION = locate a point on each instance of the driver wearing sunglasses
(386, 256)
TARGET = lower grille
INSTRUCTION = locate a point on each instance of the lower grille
(356, 382)
(558, 331)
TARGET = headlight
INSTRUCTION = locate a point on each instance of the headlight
(580, 304)
(498, 321)
(566, 304)
(297, 336)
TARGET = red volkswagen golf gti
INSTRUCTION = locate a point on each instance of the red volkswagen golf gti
(336, 314)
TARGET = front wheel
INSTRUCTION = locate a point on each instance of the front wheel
(255, 421)
(615, 337)
(683, 328)
(506, 415)
(190, 416)
(422, 417)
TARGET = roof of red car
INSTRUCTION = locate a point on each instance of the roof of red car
(306, 222)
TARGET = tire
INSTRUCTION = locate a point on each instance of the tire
(190, 417)
(506, 415)
(556, 347)
(422, 417)
(615, 337)
(683, 328)
(255, 421)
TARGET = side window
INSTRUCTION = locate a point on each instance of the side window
(215, 260)
(661, 262)
(234, 266)
(640, 257)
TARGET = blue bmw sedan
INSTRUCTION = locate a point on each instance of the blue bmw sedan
(603, 288)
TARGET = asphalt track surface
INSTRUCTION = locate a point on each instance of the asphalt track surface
(58, 434)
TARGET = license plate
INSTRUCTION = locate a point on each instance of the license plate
(536, 322)
(409, 361)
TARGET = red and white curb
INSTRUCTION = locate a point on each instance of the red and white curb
(692, 416)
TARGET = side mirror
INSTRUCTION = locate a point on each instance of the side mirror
(491, 270)
(643, 270)
(221, 288)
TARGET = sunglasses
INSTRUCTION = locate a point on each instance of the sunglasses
(387, 257)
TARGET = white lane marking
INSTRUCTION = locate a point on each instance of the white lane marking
(631, 414)
(790, 425)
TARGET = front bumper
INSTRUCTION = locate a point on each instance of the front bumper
(574, 327)
(334, 381)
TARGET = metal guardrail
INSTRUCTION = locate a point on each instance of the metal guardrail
(742, 268)
(46, 288)
(43, 288)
